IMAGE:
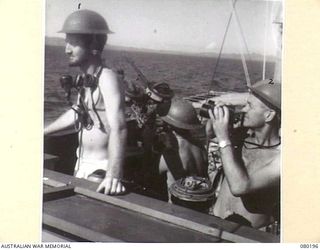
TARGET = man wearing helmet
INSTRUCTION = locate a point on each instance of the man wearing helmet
(100, 109)
(249, 193)
(183, 151)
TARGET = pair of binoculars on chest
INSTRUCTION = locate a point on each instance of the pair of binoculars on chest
(85, 80)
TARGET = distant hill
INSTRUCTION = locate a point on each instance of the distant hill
(57, 41)
(54, 41)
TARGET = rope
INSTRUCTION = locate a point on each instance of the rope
(219, 56)
(264, 43)
(242, 33)
(221, 48)
(218, 60)
(243, 59)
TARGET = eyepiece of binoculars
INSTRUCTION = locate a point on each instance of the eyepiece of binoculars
(204, 110)
(235, 113)
(66, 81)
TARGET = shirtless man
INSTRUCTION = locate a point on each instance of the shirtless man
(100, 109)
(249, 193)
(184, 153)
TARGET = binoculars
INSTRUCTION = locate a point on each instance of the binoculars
(67, 82)
(236, 115)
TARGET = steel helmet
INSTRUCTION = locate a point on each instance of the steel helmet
(269, 92)
(85, 22)
(159, 91)
(182, 115)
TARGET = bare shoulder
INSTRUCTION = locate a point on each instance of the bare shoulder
(107, 75)
(109, 83)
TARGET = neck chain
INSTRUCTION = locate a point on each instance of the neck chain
(259, 145)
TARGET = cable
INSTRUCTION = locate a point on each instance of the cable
(221, 48)
(259, 145)
(265, 42)
(243, 59)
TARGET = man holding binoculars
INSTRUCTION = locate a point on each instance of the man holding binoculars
(249, 193)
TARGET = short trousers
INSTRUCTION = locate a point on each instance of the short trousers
(85, 167)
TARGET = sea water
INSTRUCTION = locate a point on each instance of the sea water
(186, 74)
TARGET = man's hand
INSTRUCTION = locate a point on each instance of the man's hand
(220, 122)
(111, 186)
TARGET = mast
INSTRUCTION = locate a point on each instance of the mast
(277, 34)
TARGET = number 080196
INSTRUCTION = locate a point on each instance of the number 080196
(308, 245)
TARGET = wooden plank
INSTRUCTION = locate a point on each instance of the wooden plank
(120, 223)
(53, 183)
(52, 177)
(57, 193)
(215, 232)
(187, 216)
(76, 230)
(48, 236)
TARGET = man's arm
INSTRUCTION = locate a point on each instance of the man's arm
(201, 161)
(235, 99)
(113, 96)
(239, 181)
(172, 157)
(65, 121)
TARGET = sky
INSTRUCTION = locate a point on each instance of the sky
(179, 25)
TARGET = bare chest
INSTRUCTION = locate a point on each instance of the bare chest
(93, 99)
(255, 159)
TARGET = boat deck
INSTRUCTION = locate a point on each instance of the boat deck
(74, 211)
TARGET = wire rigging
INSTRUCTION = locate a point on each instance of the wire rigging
(241, 39)
(221, 47)
(265, 42)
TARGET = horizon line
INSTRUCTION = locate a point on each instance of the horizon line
(174, 51)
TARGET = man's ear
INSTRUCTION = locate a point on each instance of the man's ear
(95, 52)
(94, 46)
(97, 44)
(270, 115)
